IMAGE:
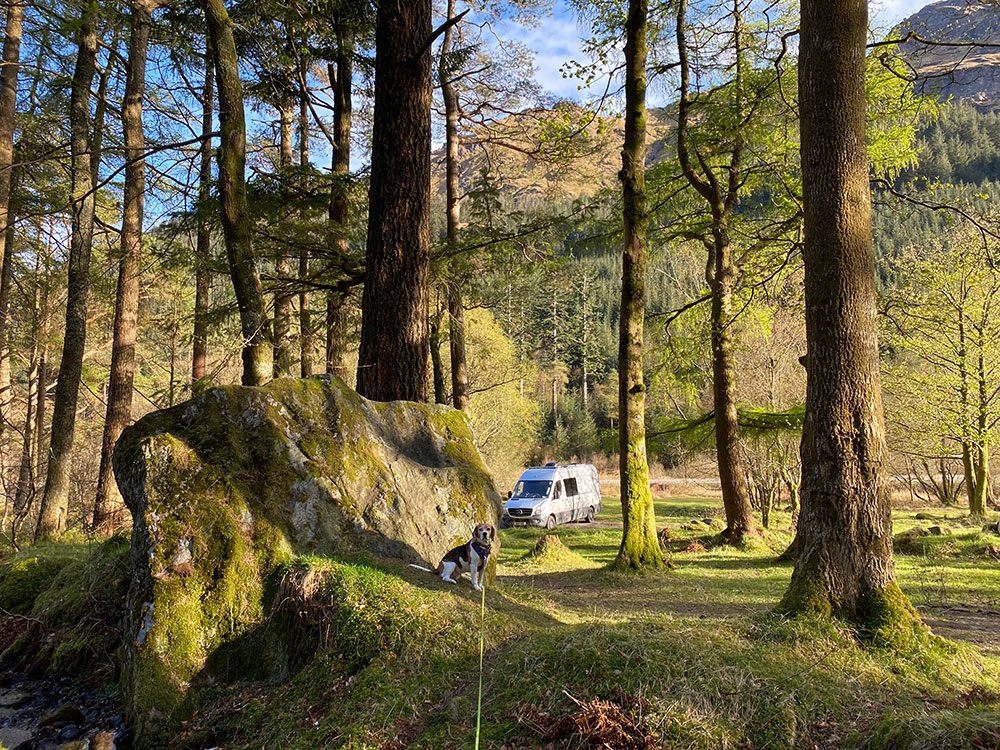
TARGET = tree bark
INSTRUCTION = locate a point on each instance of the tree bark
(394, 337)
(640, 547)
(721, 196)
(258, 363)
(845, 565)
(282, 262)
(203, 246)
(55, 500)
(456, 309)
(25, 490)
(732, 477)
(437, 366)
(336, 305)
(109, 510)
(305, 313)
(8, 116)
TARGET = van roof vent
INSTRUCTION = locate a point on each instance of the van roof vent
(551, 464)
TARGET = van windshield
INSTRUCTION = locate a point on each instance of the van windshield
(533, 488)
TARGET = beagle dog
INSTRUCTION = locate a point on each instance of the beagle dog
(470, 558)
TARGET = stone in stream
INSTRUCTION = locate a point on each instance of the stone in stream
(226, 487)
(66, 714)
(12, 738)
(13, 699)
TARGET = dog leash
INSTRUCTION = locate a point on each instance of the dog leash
(482, 648)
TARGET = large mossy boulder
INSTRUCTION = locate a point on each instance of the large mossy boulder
(228, 486)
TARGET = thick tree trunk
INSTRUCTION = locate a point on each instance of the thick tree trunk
(8, 115)
(735, 496)
(456, 310)
(845, 565)
(394, 348)
(640, 546)
(109, 510)
(283, 263)
(336, 304)
(55, 500)
(203, 246)
(258, 364)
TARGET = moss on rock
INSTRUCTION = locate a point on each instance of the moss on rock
(235, 483)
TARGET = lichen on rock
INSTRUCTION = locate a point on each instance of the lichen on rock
(228, 486)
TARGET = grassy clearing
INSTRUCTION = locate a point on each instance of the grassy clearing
(686, 658)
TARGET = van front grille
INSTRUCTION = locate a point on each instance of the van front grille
(519, 512)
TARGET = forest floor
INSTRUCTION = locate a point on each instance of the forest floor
(692, 657)
(581, 657)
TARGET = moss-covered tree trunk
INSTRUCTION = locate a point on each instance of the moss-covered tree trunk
(203, 243)
(845, 564)
(977, 500)
(340, 77)
(258, 364)
(109, 509)
(55, 500)
(639, 548)
(393, 356)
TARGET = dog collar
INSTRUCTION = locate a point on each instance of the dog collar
(483, 552)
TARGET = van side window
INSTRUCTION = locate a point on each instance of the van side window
(571, 487)
(557, 493)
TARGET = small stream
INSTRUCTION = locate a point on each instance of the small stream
(51, 714)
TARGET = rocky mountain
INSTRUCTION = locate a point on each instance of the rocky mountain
(941, 48)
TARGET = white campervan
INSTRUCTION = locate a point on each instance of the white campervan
(552, 494)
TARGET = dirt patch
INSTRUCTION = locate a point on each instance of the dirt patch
(979, 626)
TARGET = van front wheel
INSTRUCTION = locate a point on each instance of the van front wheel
(551, 522)
(590, 515)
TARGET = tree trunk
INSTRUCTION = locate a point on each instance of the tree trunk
(55, 500)
(25, 490)
(109, 510)
(282, 262)
(336, 304)
(437, 366)
(203, 247)
(845, 565)
(719, 276)
(305, 314)
(258, 364)
(8, 115)
(735, 498)
(394, 348)
(456, 310)
(640, 547)
(977, 500)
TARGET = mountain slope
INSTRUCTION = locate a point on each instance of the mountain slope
(962, 72)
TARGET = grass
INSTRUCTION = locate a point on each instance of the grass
(578, 656)
(685, 658)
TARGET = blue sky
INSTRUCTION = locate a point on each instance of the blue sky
(558, 40)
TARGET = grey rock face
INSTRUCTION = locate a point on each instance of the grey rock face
(229, 486)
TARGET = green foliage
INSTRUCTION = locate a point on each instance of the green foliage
(73, 595)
